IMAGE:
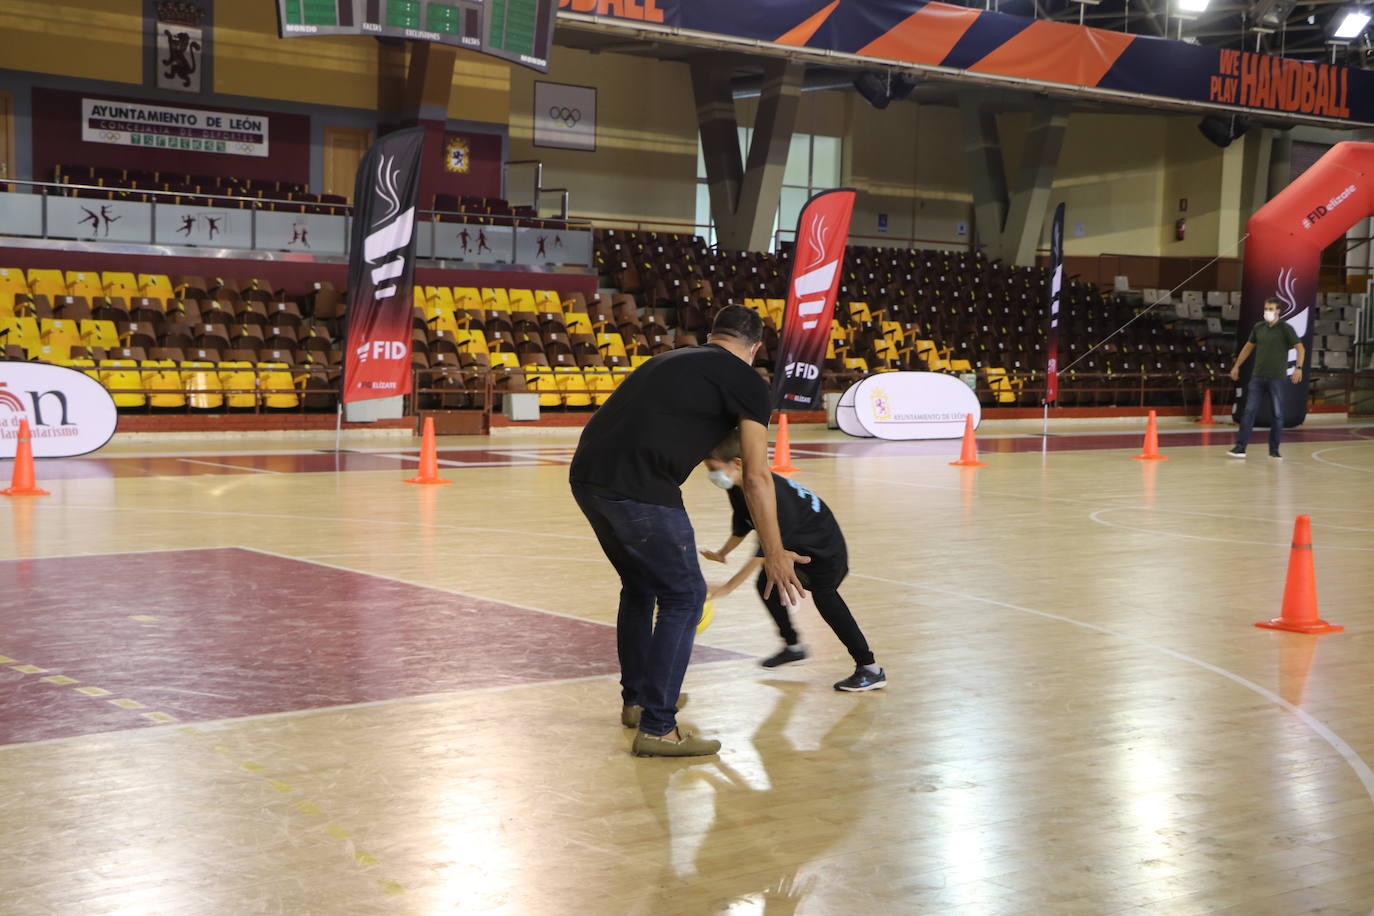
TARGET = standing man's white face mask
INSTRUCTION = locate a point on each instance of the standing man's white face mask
(1271, 315)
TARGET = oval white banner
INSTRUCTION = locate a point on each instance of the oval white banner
(913, 405)
(69, 412)
(846, 417)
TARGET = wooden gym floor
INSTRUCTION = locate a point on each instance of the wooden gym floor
(233, 680)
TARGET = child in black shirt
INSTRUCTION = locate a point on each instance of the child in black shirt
(807, 528)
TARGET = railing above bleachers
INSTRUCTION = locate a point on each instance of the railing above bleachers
(50, 210)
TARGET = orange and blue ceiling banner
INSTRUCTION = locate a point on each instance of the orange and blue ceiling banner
(991, 44)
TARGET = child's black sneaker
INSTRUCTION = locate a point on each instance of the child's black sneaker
(784, 657)
(862, 680)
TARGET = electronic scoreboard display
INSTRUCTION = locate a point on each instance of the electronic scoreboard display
(520, 31)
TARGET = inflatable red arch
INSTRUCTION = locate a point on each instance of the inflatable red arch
(1283, 254)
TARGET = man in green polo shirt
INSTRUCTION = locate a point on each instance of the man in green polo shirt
(1270, 340)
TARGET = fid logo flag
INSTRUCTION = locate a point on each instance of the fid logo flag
(817, 256)
(381, 268)
(1056, 292)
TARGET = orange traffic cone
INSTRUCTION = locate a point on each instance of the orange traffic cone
(782, 451)
(1151, 452)
(968, 453)
(22, 483)
(1300, 591)
(429, 458)
(1207, 419)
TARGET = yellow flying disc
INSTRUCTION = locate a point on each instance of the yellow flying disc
(708, 610)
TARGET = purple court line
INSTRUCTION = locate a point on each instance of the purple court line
(455, 460)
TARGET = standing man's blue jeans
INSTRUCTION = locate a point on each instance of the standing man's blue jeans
(653, 548)
(1272, 388)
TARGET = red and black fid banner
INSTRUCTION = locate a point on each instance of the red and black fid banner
(1056, 296)
(381, 268)
(822, 232)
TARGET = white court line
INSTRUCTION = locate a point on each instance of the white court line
(1317, 456)
(465, 464)
(1347, 753)
(318, 518)
(236, 467)
(1198, 537)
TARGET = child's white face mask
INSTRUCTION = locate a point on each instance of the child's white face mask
(721, 479)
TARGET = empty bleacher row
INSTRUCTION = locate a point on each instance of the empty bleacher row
(276, 196)
(941, 311)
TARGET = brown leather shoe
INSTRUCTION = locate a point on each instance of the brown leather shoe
(690, 744)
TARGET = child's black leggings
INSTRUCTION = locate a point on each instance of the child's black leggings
(833, 611)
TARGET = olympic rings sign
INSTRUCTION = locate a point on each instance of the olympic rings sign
(569, 116)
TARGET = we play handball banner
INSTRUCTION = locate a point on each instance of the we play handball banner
(997, 44)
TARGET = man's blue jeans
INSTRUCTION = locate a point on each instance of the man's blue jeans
(1272, 388)
(653, 548)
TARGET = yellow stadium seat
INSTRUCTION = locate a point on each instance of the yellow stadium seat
(776, 308)
(858, 311)
(639, 360)
(467, 297)
(155, 286)
(60, 335)
(602, 382)
(82, 283)
(541, 379)
(440, 317)
(522, 300)
(12, 283)
(85, 364)
(892, 330)
(21, 331)
(548, 301)
(166, 383)
(201, 382)
(120, 284)
(99, 333)
(118, 375)
(757, 305)
(1002, 390)
(495, 300)
(470, 340)
(47, 283)
(439, 297)
(238, 379)
(504, 360)
(573, 386)
(856, 364)
(610, 344)
(277, 386)
(960, 365)
(578, 323)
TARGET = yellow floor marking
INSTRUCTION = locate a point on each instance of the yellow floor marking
(93, 691)
(308, 807)
(59, 679)
(159, 717)
(250, 765)
(282, 786)
(391, 888)
(27, 669)
(337, 832)
(128, 704)
(191, 730)
(143, 618)
(366, 858)
(221, 748)
(4, 660)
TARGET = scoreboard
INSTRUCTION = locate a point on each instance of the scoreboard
(520, 31)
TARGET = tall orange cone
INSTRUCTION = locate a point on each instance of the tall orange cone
(968, 453)
(1207, 419)
(429, 458)
(1151, 452)
(22, 483)
(1300, 591)
(782, 452)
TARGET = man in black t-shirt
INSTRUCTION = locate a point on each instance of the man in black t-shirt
(626, 476)
(808, 527)
(1270, 340)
